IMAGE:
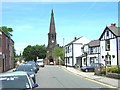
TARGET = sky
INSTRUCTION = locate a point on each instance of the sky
(30, 20)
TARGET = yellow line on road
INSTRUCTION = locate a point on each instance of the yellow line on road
(87, 78)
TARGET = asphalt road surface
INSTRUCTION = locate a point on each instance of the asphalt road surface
(55, 77)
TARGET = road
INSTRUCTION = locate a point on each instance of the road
(55, 77)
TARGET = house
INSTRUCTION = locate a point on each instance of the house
(110, 45)
(6, 52)
(91, 54)
(73, 50)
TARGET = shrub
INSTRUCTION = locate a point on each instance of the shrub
(111, 70)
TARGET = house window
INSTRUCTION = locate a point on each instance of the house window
(91, 50)
(6, 42)
(92, 60)
(0, 43)
(96, 49)
(84, 61)
(107, 33)
(68, 49)
(107, 45)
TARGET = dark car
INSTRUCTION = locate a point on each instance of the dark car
(27, 68)
(34, 64)
(16, 80)
(91, 68)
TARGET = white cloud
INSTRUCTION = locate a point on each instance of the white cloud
(22, 44)
(60, 0)
(19, 47)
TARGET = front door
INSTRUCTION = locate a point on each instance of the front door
(108, 60)
(3, 66)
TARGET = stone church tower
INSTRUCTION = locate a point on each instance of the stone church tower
(52, 43)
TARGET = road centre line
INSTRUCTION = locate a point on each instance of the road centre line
(87, 78)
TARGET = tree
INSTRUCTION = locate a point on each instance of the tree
(32, 52)
(7, 31)
(58, 52)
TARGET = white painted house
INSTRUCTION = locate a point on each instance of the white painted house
(73, 50)
(110, 45)
(91, 54)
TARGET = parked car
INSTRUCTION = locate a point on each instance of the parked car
(34, 64)
(16, 80)
(40, 62)
(27, 68)
(51, 63)
(91, 68)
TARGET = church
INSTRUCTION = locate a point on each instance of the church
(52, 42)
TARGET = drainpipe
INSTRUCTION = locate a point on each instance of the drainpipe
(117, 52)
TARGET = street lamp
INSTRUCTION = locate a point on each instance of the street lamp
(63, 49)
(66, 58)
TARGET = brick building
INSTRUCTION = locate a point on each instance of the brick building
(6, 52)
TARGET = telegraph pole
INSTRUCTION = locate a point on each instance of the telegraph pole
(63, 49)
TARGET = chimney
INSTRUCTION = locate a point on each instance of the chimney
(113, 24)
(75, 38)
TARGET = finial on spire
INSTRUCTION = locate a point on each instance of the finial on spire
(52, 12)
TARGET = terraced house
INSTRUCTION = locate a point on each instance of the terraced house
(73, 50)
(6, 52)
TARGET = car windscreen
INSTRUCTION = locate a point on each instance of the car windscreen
(39, 61)
(27, 68)
(20, 68)
(14, 82)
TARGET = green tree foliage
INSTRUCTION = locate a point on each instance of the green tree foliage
(32, 52)
(57, 52)
(7, 31)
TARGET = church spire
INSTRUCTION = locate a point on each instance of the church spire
(52, 23)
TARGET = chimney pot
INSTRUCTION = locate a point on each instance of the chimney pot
(75, 38)
(113, 24)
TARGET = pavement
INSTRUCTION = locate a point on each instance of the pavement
(90, 75)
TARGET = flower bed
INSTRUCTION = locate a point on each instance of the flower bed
(113, 72)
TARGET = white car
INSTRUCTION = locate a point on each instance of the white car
(40, 62)
(16, 80)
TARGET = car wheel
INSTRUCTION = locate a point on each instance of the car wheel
(86, 70)
(34, 80)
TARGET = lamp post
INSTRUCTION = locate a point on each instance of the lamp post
(66, 58)
(63, 50)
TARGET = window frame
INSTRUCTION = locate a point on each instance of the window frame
(107, 45)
